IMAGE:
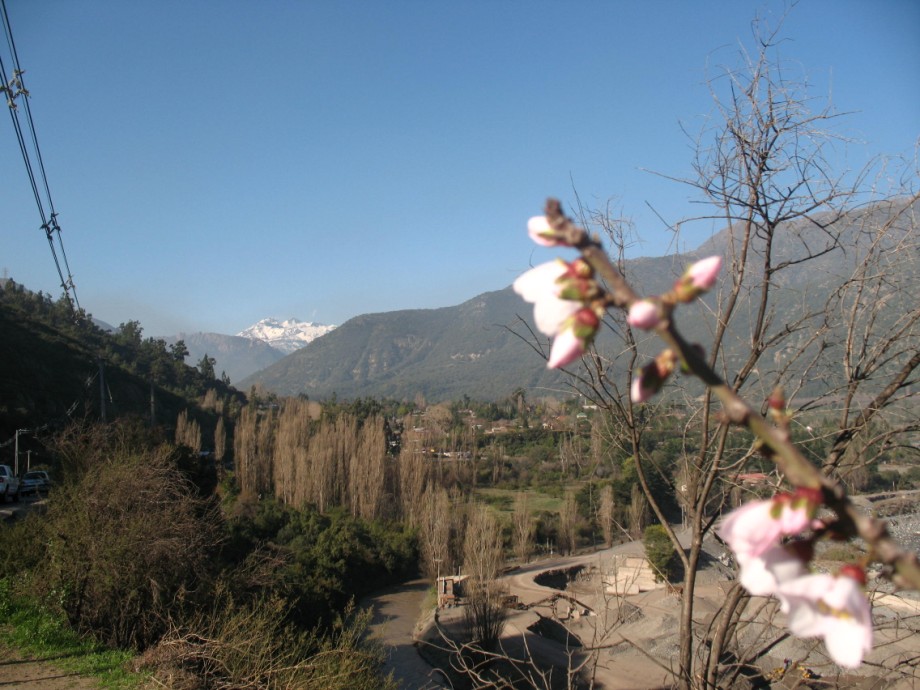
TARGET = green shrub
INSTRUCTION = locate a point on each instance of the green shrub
(660, 552)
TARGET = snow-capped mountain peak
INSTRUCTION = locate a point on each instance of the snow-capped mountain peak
(287, 335)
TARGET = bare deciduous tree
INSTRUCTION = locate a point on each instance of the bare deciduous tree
(188, 432)
(568, 523)
(523, 527)
(483, 558)
(781, 320)
(605, 514)
(434, 531)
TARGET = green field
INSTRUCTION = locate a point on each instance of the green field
(502, 500)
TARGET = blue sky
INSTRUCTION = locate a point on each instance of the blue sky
(214, 163)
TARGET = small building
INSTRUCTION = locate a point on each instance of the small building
(450, 590)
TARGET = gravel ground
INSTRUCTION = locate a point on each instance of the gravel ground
(906, 529)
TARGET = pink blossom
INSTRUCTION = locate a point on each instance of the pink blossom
(542, 232)
(572, 342)
(758, 526)
(567, 347)
(540, 286)
(643, 314)
(832, 607)
(762, 575)
(703, 273)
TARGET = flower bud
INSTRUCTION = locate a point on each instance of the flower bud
(777, 399)
(650, 378)
(697, 279)
(703, 273)
(574, 339)
(542, 233)
(643, 314)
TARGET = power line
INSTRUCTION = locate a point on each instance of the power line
(13, 87)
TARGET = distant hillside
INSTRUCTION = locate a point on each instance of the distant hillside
(50, 369)
(469, 349)
(442, 353)
(236, 356)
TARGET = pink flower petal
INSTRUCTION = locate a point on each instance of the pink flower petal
(538, 286)
(551, 314)
(541, 232)
(567, 347)
(638, 391)
(762, 575)
(756, 526)
(540, 281)
(834, 608)
(751, 529)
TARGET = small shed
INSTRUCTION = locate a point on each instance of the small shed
(450, 590)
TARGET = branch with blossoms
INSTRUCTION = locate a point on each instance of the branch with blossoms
(570, 300)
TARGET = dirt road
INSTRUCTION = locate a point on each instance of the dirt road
(396, 611)
(38, 674)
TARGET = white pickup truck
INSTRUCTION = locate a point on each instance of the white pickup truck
(9, 483)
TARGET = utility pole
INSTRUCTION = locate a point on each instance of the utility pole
(153, 408)
(16, 443)
(102, 390)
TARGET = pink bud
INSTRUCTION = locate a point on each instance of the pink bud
(573, 340)
(567, 347)
(639, 392)
(643, 314)
(542, 233)
(703, 273)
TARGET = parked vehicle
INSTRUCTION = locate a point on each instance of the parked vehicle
(9, 483)
(36, 481)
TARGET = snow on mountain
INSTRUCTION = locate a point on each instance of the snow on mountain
(288, 335)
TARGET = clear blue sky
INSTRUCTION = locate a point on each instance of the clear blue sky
(214, 163)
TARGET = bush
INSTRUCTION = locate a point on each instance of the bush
(124, 545)
(251, 647)
(660, 552)
(316, 562)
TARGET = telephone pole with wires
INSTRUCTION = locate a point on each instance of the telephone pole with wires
(13, 89)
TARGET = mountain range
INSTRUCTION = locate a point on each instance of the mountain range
(252, 349)
(485, 348)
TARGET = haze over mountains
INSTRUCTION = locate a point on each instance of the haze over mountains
(485, 348)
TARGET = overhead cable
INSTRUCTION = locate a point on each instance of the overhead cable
(13, 87)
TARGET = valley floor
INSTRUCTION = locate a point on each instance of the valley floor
(639, 629)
